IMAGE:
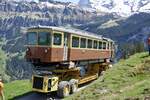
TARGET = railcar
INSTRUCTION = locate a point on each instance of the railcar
(70, 57)
(56, 44)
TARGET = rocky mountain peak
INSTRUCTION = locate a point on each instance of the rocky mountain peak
(120, 7)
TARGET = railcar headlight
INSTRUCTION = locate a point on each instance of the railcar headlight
(27, 49)
(46, 50)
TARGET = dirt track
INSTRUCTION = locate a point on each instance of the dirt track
(38, 96)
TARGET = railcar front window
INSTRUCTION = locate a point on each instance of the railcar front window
(31, 38)
(44, 38)
(57, 39)
(75, 41)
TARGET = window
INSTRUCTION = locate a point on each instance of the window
(104, 45)
(108, 45)
(114, 47)
(57, 39)
(75, 41)
(100, 45)
(111, 45)
(83, 43)
(66, 39)
(44, 38)
(31, 38)
(95, 44)
(89, 43)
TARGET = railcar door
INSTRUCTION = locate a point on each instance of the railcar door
(66, 42)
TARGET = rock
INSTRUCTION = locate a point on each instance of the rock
(102, 91)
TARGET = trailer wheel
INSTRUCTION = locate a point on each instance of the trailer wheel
(73, 85)
(63, 89)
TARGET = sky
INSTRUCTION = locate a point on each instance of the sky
(75, 1)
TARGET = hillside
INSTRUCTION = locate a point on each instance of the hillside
(135, 27)
(127, 80)
(3, 58)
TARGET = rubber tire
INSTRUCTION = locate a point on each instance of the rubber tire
(62, 85)
(73, 85)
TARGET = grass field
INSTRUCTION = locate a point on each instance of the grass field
(127, 80)
(16, 89)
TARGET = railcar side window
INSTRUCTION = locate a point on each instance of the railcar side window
(57, 39)
(100, 45)
(83, 43)
(104, 45)
(66, 39)
(89, 43)
(44, 38)
(111, 45)
(108, 45)
(31, 38)
(95, 44)
(75, 41)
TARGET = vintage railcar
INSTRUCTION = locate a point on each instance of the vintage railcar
(48, 44)
(52, 50)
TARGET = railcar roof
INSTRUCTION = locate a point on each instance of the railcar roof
(73, 31)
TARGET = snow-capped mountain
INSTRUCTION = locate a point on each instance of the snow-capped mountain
(121, 7)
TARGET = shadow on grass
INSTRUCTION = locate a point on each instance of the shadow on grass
(145, 56)
(37, 96)
(19, 96)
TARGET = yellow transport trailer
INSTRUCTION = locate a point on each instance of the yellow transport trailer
(65, 81)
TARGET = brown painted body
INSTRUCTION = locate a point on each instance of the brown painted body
(86, 54)
(44, 54)
(49, 55)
